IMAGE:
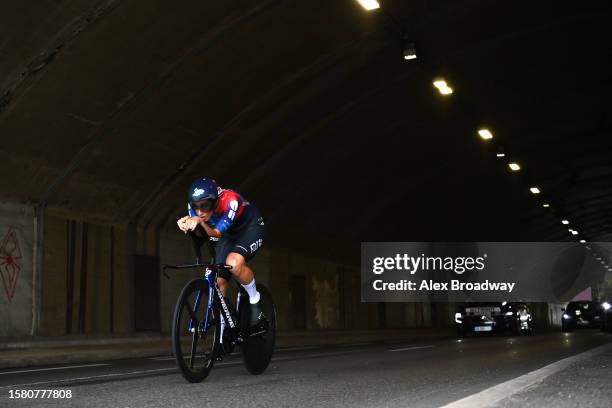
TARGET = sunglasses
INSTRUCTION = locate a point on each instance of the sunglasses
(204, 205)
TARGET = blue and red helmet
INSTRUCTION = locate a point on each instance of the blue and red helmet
(203, 189)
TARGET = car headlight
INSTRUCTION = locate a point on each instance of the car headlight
(458, 318)
(606, 306)
(566, 316)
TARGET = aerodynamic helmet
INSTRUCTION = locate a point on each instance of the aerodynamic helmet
(203, 190)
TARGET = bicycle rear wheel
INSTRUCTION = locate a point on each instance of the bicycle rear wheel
(257, 350)
(194, 345)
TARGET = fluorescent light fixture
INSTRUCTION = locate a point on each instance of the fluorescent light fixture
(582, 241)
(564, 222)
(369, 4)
(485, 134)
(514, 166)
(545, 205)
(501, 154)
(440, 83)
(535, 190)
(443, 87)
(409, 50)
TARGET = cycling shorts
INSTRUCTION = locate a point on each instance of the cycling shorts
(245, 242)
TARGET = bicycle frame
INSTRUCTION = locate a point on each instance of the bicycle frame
(210, 275)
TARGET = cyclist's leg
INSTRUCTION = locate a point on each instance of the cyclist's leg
(247, 244)
(222, 248)
(245, 247)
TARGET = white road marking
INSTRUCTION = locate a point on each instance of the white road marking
(280, 350)
(296, 348)
(364, 343)
(52, 368)
(87, 378)
(226, 363)
(411, 348)
(492, 395)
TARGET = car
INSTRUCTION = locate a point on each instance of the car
(582, 315)
(475, 318)
(606, 324)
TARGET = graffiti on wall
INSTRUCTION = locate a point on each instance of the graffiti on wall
(10, 257)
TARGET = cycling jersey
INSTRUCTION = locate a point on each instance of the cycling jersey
(231, 213)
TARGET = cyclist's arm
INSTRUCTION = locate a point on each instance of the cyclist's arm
(212, 232)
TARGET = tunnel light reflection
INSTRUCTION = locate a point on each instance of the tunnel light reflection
(514, 166)
(582, 241)
(369, 4)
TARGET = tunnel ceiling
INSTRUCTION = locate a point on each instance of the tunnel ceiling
(111, 108)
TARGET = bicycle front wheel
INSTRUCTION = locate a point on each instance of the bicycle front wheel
(195, 332)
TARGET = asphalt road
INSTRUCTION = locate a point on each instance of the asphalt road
(427, 374)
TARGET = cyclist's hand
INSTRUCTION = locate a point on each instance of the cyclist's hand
(191, 223)
(182, 224)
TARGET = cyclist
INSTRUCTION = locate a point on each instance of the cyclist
(238, 229)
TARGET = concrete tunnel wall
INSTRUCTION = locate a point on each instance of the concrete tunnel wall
(16, 269)
(88, 273)
(87, 282)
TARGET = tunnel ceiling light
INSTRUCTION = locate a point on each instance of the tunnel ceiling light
(501, 154)
(574, 232)
(582, 241)
(485, 134)
(369, 4)
(409, 50)
(514, 166)
(440, 83)
(545, 205)
(534, 190)
(443, 87)
(564, 222)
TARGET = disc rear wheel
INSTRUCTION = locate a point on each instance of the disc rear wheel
(257, 350)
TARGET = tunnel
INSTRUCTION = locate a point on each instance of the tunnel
(457, 125)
